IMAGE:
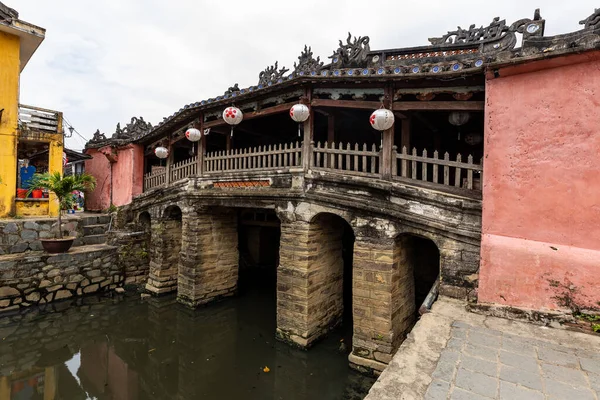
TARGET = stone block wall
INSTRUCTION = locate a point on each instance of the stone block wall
(164, 256)
(39, 278)
(208, 269)
(134, 256)
(18, 236)
(325, 274)
(292, 284)
(383, 301)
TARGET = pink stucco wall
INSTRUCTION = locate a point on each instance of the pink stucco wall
(99, 168)
(541, 195)
(127, 175)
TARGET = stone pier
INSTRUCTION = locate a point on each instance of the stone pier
(208, 269)
(164, 254)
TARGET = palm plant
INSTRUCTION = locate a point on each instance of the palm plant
(62, 187)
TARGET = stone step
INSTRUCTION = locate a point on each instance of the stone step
(94, 239)
(95, 219)
(100, 229)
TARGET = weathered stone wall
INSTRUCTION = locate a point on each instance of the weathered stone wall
(18, 236)
(39, 278)
(325, 274)
(134, 256)
(209, 255)
(164, 255)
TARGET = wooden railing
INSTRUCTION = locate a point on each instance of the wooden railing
(444, 171)
(337, 158)
(351, 160)
(184, 169)
(155, 179)
(262, 158)
(35, 118)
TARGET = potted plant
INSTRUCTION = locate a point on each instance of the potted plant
(62, 187)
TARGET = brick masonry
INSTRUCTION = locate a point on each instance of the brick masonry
(164, 255)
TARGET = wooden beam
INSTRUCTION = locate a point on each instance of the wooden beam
(439, 105)
(255, 114)
(370, 105)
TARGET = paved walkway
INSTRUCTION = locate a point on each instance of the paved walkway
(453, 354)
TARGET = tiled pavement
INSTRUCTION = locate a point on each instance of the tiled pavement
(480, 363)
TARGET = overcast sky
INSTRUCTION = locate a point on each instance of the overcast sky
(103, 62)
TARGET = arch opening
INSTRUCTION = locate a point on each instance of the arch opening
(420, 258)
(331, 244)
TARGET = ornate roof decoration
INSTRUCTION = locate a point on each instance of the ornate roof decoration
(352, 54)
(98, 137)
(136, 128)
(232, 90)
(8, 14)
(271, 74)
(306, 62)
(503, 35)
(593, 21)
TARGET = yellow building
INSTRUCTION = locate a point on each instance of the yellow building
(29, 136)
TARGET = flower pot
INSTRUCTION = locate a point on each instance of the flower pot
(54, 246)
(37, 193)
(22, 193)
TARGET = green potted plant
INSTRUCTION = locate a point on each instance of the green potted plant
(62, 187)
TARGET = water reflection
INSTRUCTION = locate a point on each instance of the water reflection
(124, 348)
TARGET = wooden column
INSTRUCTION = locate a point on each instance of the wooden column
(388, 139)
(308, 133)
(330, 129)
(169, 163)
(201, 146)
(228, 142)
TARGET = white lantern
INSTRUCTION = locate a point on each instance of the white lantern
(161, 152)
(382, 119)
(193, 134)
(233, 116)
(299, 112)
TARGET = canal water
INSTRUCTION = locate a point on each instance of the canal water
(127, 348)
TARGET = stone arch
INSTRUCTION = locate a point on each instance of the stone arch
(418, 256)
(144, 220)
(331, 244)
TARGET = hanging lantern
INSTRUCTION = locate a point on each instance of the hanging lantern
(161, 152)
(233, 116)
(382, 119)
(459, 118)
(299, 113)
(473, 139)
(193, 134)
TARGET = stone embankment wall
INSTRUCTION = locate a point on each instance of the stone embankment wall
(38, 278)
(133, 255)
(20, 236)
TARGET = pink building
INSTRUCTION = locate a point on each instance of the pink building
(118, 166)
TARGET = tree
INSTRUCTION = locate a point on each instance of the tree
(62, 187)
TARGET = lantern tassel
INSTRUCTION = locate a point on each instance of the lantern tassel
(232, 131)
(298, 130)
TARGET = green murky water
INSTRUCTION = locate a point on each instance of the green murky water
(128, 348)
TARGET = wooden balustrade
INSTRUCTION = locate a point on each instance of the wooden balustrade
(155, 179)
(435, 170)
(339, 158)
(351, 160)
(184, 169)
(272, 157)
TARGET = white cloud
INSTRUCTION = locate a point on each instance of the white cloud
(104, 62)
